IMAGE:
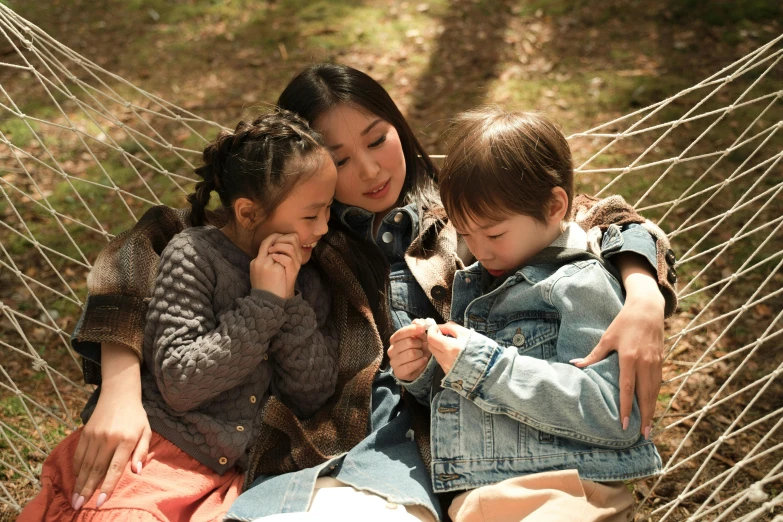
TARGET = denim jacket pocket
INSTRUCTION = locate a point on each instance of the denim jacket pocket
(533, 333)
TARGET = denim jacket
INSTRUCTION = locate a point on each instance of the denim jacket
(512, 404)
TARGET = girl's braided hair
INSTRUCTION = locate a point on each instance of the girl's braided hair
(262, 160)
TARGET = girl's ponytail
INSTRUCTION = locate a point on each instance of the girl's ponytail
(211, 172)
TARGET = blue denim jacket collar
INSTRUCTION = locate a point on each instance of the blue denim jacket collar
(360, 220)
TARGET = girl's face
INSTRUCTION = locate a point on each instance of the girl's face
(369, 158)
(305, 212)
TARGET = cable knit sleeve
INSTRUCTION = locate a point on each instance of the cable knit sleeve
(193, 355)
(305, 349)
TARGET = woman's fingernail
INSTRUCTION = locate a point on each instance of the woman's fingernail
(625, 423)
(73, 499)
(138, 468)
(101, 500)
(79, 503)
(576, 361)
(647, 432)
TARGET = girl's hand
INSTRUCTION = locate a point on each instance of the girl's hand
(636, 334)
(265, 272)
(286, 251)
(408, 354)
(446, 349)
(118, 429)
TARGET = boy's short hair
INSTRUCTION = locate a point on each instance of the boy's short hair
(502, 163)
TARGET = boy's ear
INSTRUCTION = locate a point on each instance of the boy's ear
(558, 205)
(246, 213)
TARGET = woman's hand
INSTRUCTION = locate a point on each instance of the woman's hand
(118, 429)
(446, 349)
(408, 353)
(636, 334)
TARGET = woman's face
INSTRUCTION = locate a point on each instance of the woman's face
(369, 158)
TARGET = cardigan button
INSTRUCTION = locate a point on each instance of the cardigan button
(670, 257)
(265, 357)
(223, 461)
(240, 428)
(438, 292)
(253, 399)
(671, 275)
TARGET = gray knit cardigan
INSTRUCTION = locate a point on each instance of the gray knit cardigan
(214, 347)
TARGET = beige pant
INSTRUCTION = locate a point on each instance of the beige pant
(544, 497)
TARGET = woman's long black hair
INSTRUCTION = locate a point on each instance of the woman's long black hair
(322, 87)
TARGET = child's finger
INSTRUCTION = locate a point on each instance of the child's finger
(287, 249)
(453, 330)
(293, 241)
(266, 243)
(408, 370)
(412, 330)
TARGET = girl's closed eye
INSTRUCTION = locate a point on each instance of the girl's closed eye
(496, 236)
(340, 163)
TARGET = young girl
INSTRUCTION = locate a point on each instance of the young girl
(386, 196)
(513, 420)
(234, 310)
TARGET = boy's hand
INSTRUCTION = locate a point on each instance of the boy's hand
(286, 251)
(446, 349)
(408, 354)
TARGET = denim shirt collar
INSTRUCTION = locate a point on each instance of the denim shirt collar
(397, 230)
(573, 238)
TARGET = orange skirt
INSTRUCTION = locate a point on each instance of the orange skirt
(173, 486)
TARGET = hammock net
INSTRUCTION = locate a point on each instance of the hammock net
(87, 164)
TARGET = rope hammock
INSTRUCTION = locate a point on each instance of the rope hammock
(704, 163)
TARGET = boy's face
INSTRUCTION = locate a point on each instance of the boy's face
(504, 245)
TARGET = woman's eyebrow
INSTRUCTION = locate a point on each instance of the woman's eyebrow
(363, 133)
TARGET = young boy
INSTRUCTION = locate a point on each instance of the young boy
(515, 424)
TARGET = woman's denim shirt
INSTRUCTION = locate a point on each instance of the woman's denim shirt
(397, 231)
(512, 404)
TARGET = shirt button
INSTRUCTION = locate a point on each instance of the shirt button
(387, 237)
(467, 280)
(391, 505)
(223, 461)
(398, 217)
(240, 428)
(253, 399)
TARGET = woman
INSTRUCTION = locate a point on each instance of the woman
(385, 194)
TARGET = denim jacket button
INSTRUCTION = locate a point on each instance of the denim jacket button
(387, 237)
(518, 340)
(670, 257)
(457, 385)
(438, 292)
(398, 217)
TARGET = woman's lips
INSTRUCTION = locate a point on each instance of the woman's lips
(378, 192)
